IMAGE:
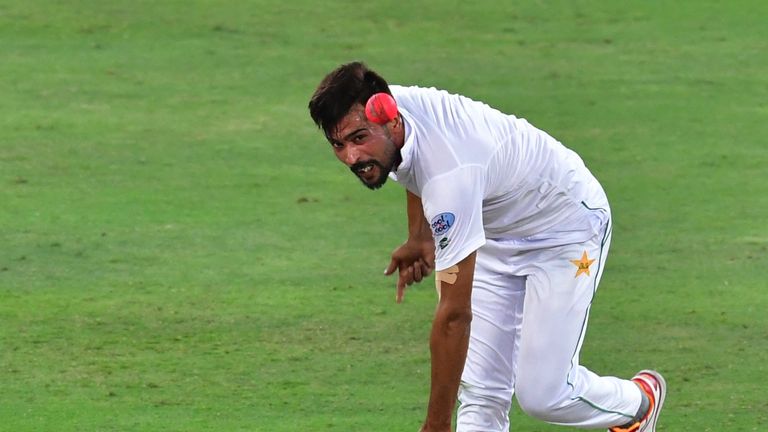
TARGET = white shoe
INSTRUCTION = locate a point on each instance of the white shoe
(654, 386)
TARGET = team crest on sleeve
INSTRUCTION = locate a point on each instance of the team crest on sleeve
(442, 223)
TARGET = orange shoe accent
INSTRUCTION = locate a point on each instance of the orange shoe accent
(635, 426)
(643, 379)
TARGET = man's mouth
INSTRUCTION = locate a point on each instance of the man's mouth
(363, 168)
(372, 178)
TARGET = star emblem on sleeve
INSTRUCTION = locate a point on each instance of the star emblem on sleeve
(583, 264)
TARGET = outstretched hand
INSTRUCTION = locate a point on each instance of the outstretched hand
(415, 260)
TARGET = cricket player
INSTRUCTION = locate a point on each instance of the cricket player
(517, 230)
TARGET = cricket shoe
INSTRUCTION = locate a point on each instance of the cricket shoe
(654, 386)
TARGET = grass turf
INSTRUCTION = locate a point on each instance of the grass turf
(180, 251)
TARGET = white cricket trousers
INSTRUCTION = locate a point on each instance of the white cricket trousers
(530, 312)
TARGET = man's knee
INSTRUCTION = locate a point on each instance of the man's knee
(536, 406)
(542, 402)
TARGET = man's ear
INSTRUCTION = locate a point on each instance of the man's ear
(395, 123)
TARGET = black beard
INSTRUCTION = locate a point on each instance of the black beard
(383, 171)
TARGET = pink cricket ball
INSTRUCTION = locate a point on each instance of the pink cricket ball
(381, 108)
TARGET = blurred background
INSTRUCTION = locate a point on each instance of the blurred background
(180, 250)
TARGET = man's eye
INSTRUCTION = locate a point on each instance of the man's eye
(358, 138)
(336, 145)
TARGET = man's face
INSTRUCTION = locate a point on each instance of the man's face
(367, 148)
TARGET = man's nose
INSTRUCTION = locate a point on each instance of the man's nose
(351, 156)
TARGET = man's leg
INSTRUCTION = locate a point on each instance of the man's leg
(550, 383)
(487, 383)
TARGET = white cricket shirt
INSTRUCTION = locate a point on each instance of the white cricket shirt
(482, 174)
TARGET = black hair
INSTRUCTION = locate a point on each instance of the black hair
(347, 85)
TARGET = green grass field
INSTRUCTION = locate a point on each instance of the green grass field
(180, 251)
